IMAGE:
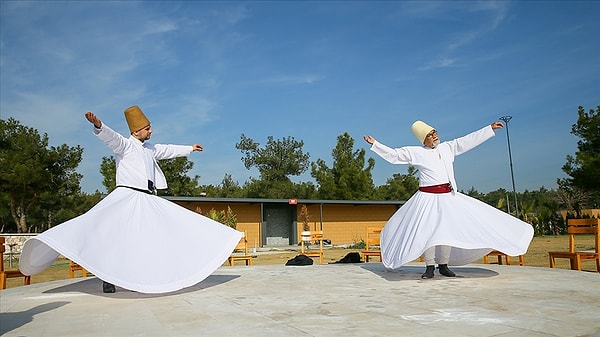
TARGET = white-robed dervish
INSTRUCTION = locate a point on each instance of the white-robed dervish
(439, 223)
(133, 238)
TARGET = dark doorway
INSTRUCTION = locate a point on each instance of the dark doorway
(279, 225)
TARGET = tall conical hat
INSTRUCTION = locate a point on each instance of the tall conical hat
(136, 118)
(420, 130)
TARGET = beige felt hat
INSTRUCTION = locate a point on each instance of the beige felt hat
(136, 118)
(420, 130)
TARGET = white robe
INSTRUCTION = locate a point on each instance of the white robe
(132, 239)
(473, 228)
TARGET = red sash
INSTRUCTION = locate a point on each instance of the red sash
(442, 188)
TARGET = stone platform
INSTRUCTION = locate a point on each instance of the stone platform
(319, 300)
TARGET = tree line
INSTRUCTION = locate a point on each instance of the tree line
(41, 187)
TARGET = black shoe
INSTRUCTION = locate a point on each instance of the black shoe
(445, 271)
(108, 288)
(428, 272)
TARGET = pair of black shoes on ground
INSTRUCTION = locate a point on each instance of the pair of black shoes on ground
(443, 268)
(108, 288)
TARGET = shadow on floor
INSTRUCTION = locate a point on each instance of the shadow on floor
(12, 320)
(414, 272)
(93, 286)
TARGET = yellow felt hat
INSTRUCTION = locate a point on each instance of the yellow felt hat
(136, 118)
(420, 130)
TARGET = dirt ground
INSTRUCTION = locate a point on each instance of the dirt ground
(536, 256)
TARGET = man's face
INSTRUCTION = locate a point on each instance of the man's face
(143, 134)
(432, 139)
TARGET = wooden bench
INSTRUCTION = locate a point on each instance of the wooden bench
(579, 227)
(73, 267)
(313, 236)
(500, 255)
(242, 255)
(4, 274)
(372, 243)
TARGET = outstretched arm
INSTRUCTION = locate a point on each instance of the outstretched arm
(93, 119)
(394, 156)
(468, 142)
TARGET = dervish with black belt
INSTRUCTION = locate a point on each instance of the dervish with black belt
(133, 238)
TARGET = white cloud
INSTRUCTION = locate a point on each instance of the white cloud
(57, 117)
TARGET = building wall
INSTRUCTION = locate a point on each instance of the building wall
(247, 214)
(343, 224)
(347, 224)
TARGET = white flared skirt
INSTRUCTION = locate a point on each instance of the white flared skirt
(471, 227)
(136, 241)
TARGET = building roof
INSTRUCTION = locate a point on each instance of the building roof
(285, 201)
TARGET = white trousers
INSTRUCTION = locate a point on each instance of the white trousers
(442, 258)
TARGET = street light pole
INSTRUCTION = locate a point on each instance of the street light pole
(507, 119)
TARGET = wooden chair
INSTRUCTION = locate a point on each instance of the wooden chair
(242, 248)
(4, 274)
(372, 242)
(577, 227)
(316, 237)
(499, 255)
(73, 267)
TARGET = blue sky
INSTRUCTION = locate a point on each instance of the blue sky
(207, 72)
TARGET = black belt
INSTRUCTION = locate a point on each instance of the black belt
(150, 189)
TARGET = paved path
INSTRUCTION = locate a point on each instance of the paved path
(319, 300)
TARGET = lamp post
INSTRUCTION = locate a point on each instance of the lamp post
(507, 119)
